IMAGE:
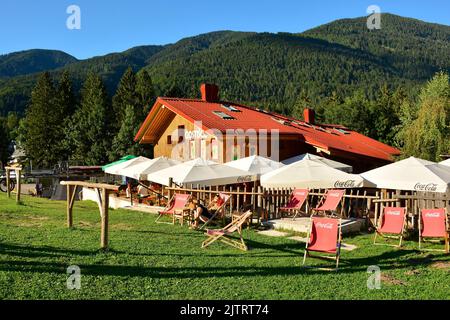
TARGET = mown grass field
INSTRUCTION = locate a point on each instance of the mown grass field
(157, 261)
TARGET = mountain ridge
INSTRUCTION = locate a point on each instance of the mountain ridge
(268, 69)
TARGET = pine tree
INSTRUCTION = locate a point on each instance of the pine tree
(351, 113)
(65, 96)
(66, 104)
(42, 121)
(145, 91)
(303, 101)
(123, 143)
(89, 129)
(385, 114)
(125, 96)
(4, 142)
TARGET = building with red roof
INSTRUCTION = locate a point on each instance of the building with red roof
(223, 131)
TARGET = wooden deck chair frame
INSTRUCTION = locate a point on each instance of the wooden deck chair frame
(335, 257)
(446, 238)
(298, 209)
(224, 237)
(161, 214)
(333, 213)
(220, 209)
(390, 236)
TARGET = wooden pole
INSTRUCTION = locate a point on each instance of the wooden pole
(104, 231)
(70, 190)
(8, 181)
(18, 186)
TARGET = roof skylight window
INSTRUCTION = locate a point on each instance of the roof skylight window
(223, 115)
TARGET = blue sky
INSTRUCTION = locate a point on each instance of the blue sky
(116, 25)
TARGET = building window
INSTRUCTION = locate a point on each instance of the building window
(180, 133)
(169, 139)
(230, 108)
(223, 115)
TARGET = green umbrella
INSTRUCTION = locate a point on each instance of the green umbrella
(123, 159)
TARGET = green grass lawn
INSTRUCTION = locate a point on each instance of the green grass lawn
(158, 261)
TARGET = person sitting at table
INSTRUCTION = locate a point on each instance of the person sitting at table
(142, 191)
(202, 213)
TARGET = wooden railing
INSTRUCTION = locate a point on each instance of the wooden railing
(266, 203)
(358, 203)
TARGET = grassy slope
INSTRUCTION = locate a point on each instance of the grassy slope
(150, 261)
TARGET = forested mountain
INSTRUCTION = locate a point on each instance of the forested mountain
(264, 69)
(272, 69)
(15, 92)
(31, 61)
(415, 48)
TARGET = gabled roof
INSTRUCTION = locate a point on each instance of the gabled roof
(327, 137)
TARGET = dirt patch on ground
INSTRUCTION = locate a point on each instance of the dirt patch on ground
(412, 272)
(122, 226)
(29, 224)
(442, 265)
(38, 218)
(86, 224)
(428, 261)
(391, 280)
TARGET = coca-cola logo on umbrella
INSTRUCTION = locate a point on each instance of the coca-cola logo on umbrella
(345, 184)
(425, 186)
(242, 179)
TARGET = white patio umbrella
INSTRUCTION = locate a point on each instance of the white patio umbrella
(311, 174)
(445, 162)
(411, 174)
(331, 163)
(117, 169)
(255, 165)
(140, 170)
(200, 172)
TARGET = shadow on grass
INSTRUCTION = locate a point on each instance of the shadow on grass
(391, 260)
(46, 251)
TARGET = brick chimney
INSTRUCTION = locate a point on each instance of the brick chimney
(309, 115)
(210, 92)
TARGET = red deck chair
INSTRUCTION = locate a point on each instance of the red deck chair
(178, 202)
(392, 224)
(330, 201)
(324, 236)
(221, 210)
(433, 223)
(296, 202)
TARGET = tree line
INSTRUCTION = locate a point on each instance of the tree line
(90, 128)
(419, 126)
(86, 127)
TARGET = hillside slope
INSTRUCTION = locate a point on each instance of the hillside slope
(265, 69)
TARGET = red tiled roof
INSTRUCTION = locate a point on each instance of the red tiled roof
(324, 136)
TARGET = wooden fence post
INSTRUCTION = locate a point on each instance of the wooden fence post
(70, 196)
(105, 207)
(18, 184)
(8, 182)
